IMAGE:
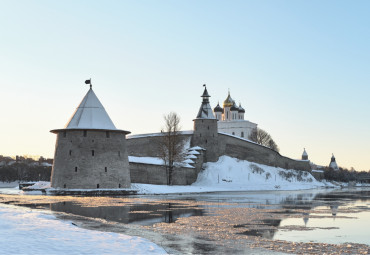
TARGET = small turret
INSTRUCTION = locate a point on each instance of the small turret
(304, 154)
(333, 163)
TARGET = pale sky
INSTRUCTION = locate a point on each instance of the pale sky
(301, 69)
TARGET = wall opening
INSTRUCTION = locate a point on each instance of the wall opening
(85, 133)
(242, 134)
(93, 153)
(233, 133)
(107, 134)
(70, 152)
(97, 186)
(64, 133)
(65, 186)
(208, 127)
(105, 169)
(76, 169)
(206, 141)
(119, 154)
(119, 185)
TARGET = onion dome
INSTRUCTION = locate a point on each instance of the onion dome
(234, 107)
(218, 108)
(241, 109)
(229, 101)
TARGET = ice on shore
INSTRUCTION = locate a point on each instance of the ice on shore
(25, 231)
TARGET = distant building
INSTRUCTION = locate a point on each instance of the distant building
(231, 119)
(333, 164)
(90, 152)
(304, 155)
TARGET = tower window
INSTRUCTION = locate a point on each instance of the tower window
(76, 169)
(70, 152)
(206, 141)
(105, 169)
(233, 133)
(208, 127)
(242, 134)
(119, 154)
(119, 185)
(107, 134)
(65, 186)
(97, 186)
(93, 153)
(85, 133)
(64, 133)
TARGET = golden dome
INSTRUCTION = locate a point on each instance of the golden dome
(229, 101)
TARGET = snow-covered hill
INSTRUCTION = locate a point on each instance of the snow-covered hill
(234, 174)
(231, 174)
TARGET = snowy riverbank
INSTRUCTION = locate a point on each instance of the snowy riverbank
(25, 231)
(231, 174)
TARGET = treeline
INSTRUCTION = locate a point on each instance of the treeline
(344, 175)
(24, 172)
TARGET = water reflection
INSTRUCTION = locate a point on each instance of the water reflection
(140, 214)
(335, 217)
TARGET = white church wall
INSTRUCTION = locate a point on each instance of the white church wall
(241, 128)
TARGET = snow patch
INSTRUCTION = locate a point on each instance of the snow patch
(24, 231)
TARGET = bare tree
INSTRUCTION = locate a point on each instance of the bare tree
(260, 136)
(171, 144)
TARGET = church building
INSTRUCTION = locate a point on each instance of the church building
(231, 119)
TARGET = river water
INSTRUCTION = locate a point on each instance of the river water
(216, 223)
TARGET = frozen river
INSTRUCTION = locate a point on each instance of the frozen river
(302, 222)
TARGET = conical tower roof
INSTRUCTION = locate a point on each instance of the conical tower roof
(90, 114)
(205, 110)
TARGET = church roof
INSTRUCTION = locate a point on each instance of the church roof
(241, 109)
(90, 114)
(228, 101)
(234, 107)
(218, 108)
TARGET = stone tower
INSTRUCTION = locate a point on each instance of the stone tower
(205, 129)
(90, 152)
(304, 154)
